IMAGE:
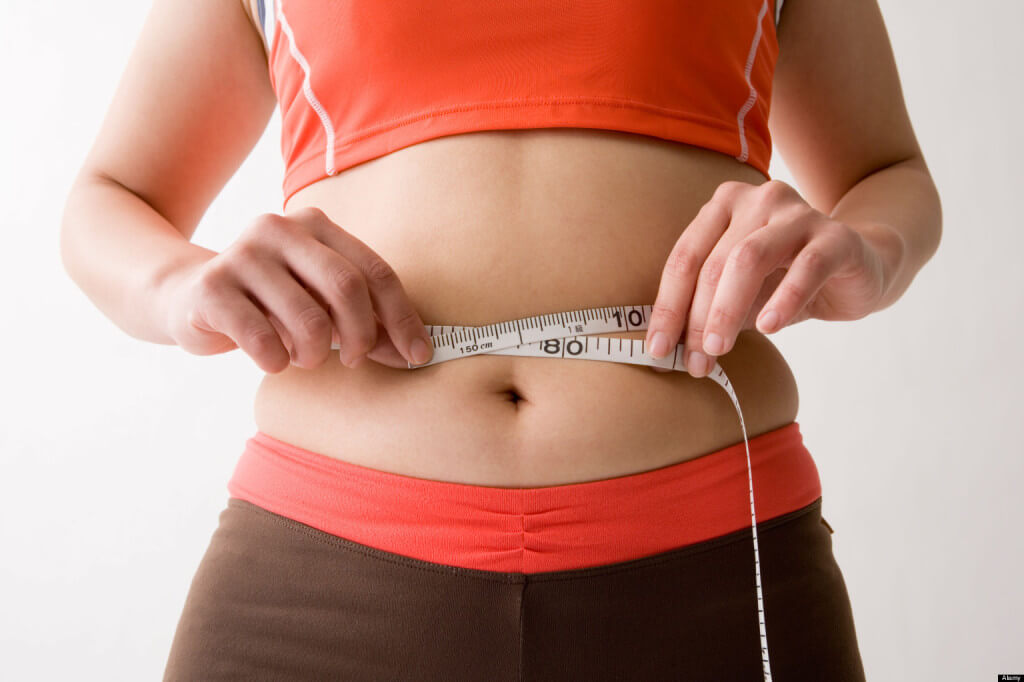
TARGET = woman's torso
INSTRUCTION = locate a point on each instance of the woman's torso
(498, 225)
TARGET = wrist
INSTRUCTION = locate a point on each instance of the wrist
(891, 248)
(164, 282)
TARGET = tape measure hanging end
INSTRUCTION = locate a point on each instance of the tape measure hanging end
(568, 335)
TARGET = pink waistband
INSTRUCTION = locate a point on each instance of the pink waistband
(531, 530)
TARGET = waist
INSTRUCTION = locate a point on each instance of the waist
(573, 421)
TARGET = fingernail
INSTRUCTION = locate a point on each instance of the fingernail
(659, 345)
(713, 344)
(419, 350)
(769, 320)
(358, 361)
(698, 363)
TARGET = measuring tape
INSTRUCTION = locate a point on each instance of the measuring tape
(565, 335)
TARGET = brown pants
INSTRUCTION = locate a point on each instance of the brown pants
(274, 599)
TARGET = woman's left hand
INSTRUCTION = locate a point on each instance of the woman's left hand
(759, 252)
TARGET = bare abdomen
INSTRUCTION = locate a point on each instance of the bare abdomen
(495, 226)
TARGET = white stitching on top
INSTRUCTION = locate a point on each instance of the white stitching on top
(748, 105)
(269, 22)
(307, 89)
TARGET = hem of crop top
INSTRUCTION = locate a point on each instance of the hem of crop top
(565, 112)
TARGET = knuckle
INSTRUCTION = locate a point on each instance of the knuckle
(728, 190)
(361, 340)
(312, 217)
(815, 261)
(694, 332)
(711, 272)
(212, 282)
(791, 293)
(723, 318)
(682, 262)
(262, 340)
(748, 254)
(346, 283)
(407, 317)
(771, 195)
(380, 271)
(246, 250)
(310, 213)
(313, 322)
(266, 223)
(667, 314)
(775, 189)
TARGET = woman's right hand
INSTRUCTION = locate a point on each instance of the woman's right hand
(288, 288)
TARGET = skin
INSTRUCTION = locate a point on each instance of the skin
(476, 235)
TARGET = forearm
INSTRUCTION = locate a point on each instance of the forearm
(119, 250)
(897, 211)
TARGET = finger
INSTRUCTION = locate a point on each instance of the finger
(335, 336)
(390, 300)
(812, 267)
(385, 352)
(233, 314)
(771, 283)
(697, 362)
(286, 338)
(679, 277)
(748, 264)
(282, 331)
(307, 324)
(342, 287)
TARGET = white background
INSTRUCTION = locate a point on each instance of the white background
(115, 452)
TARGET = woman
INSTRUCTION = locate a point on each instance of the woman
(504, 517)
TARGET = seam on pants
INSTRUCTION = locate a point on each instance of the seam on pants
(522, 637)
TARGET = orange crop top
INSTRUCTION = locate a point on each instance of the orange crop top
(358, 79)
